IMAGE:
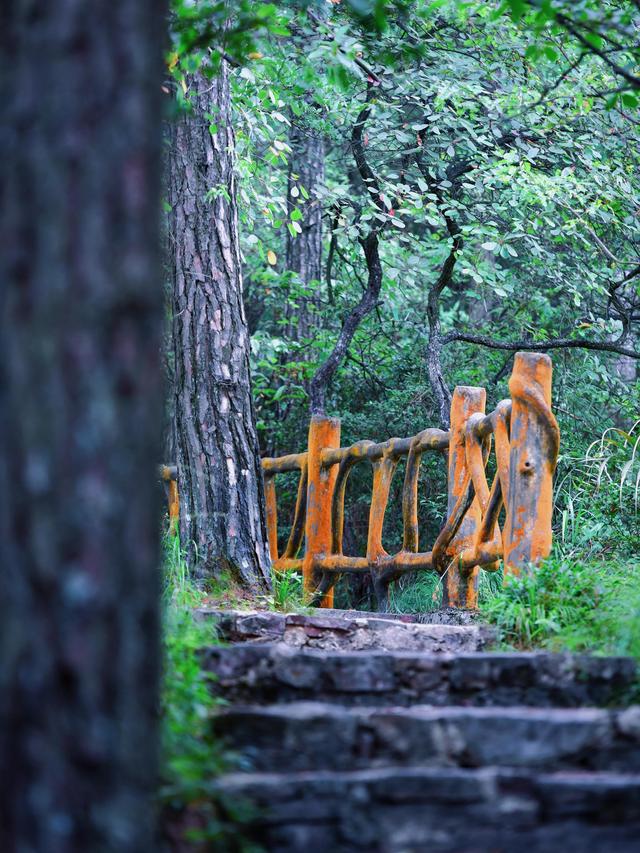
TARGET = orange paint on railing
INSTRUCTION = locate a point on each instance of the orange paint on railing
(526, 449)
(271, 509)
(535, 440)
(169, 474)
(323, 433)
(460, 584)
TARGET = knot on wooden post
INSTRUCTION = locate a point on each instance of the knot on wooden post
(534, 441)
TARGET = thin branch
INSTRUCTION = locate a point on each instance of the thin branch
(434, 348)
(631, 79)
(362, 65)
(370, 246)
(542, 346)
(329, 269)
(553, 86)
(324, 374)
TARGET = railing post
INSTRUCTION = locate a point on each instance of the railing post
(169, 474)
(460, 586)
(174, 508)
(271, 509)
(534, 440)
(323, 433)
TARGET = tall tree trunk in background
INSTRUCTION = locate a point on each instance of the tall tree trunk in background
(222, 522)
(304, 250)
(80, 416)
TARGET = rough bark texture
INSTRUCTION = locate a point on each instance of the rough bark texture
(304, 251)
(222, 522)
(80, 416)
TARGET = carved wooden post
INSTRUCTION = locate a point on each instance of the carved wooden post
(169, 474)
(272, 515)
(323, 433)
(174, 508)
(383, 470)
(535, 439)
(460, 586)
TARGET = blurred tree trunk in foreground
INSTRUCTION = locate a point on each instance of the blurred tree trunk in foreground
(80, 418)
(222, 521)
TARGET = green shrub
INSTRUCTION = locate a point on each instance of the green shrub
(192, 757)
(568, 603)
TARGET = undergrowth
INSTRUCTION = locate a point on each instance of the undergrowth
(422, 592)
(287, 593)
(194, 813)
(586, 596)
(570, 604)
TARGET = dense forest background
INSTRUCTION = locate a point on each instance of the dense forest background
(420, 194)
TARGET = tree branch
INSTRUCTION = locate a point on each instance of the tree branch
(324, 374)
(631, 79)
(362, 65)
(541, 346)
(370, 246)
(434, 347)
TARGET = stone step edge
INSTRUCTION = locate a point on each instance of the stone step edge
(578, 779)
(445, 809)
(276, 650)
(274, 621)
(423, 735)
(626, 720)
(244, 672)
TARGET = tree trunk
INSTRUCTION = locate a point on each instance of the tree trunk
(304, 250)
(222, 521)
(80, 416)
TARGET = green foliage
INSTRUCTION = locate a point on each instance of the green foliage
(417, 593)
(604, 28)
(546, 197)
(587, 595)
(422, 592)
(227, 28)
(191, 756)
(178, 589)
(567, 603)
(527, 140)
(287, 592)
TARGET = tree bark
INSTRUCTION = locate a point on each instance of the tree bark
(80, 417)
(304, 251)
(222, 521)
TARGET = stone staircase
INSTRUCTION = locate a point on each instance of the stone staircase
(362, 732)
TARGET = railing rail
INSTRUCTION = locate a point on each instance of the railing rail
(526, 438)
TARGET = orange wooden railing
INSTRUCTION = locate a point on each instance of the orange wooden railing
(526, 439)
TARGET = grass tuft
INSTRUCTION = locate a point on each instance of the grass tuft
(572, 604)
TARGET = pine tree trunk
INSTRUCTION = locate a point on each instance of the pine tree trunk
(222, 524)
(304, 250)
(80, 415)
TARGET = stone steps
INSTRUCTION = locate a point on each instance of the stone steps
(365, 733)
(395, 810)
(325, 629)
(275, 673)
(323, 736)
